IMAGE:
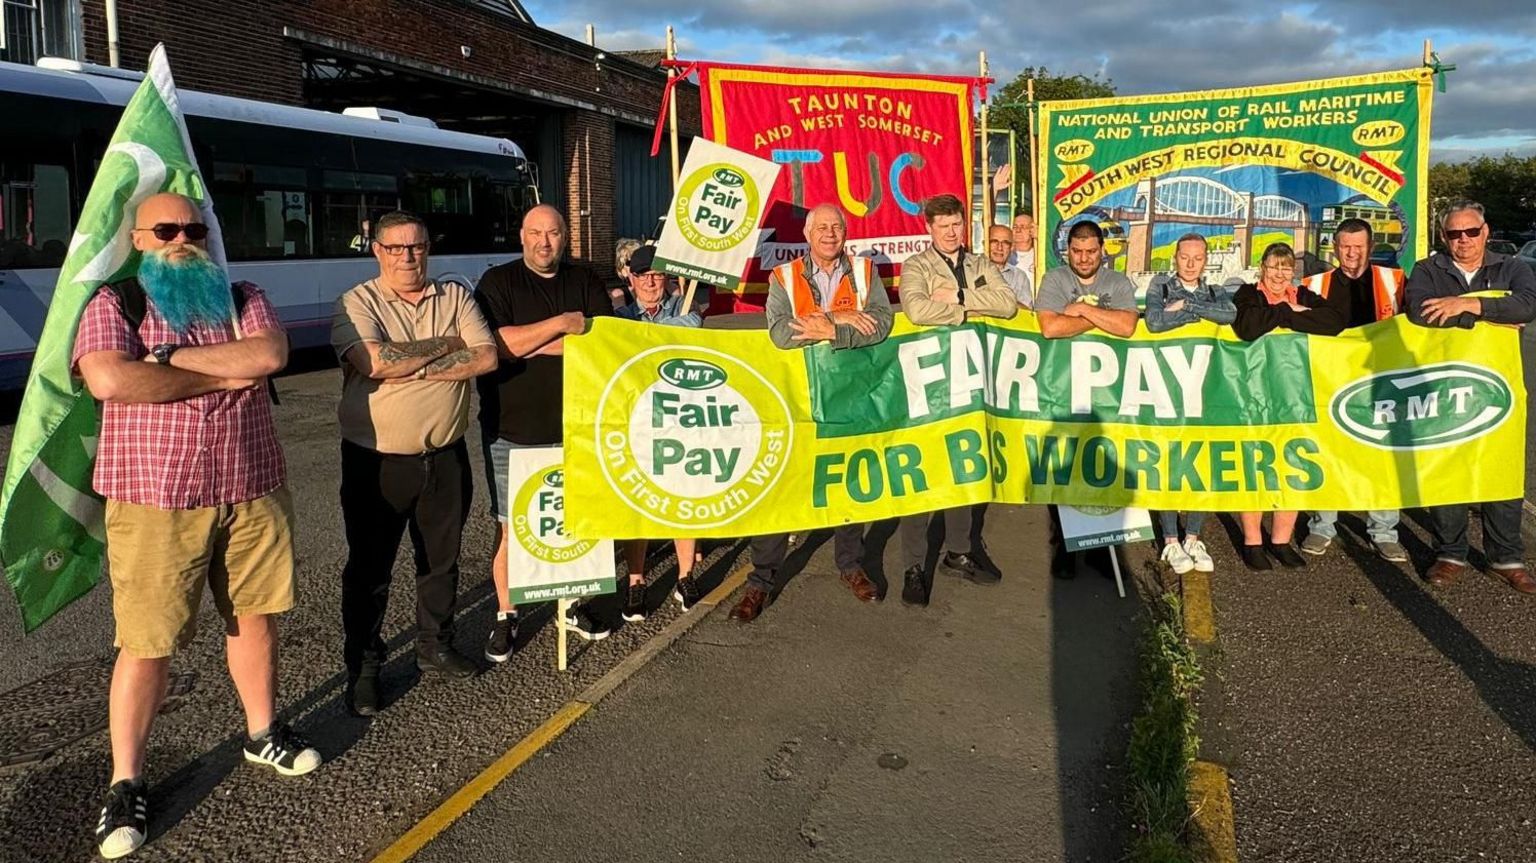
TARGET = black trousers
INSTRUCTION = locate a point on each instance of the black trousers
(914, 534)
(768, 554)
(381, 496)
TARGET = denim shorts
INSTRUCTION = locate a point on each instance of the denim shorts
(497, 452)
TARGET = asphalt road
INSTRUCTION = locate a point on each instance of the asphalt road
(1364, 716)
(1009, 707)
(380, 776)
(989, 726)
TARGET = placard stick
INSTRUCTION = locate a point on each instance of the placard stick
(1114, 562)
(561, 607)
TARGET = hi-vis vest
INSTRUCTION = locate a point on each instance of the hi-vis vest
(851, 292)
(1386, 285)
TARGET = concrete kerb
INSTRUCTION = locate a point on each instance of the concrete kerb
(1212, 833)
(464, 799)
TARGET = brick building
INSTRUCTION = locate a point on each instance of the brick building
(583, 116)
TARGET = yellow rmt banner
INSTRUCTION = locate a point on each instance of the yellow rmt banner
(682, 432)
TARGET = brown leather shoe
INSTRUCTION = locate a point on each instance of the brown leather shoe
(1444, 573)
(858, 581)
(1516, 577)
(751, 605)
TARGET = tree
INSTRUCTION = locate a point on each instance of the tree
(1504, 185)
(1009, 109)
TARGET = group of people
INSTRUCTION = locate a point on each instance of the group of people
(189, 461)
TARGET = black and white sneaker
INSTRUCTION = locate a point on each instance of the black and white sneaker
(585, 625)
(124, 820)
(687, 593)
(284, 750)
(502, 642)
(634, 602)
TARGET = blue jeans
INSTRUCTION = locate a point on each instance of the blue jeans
(1192, 523)
(1381, 525)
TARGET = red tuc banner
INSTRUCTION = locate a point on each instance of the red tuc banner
(875, 144)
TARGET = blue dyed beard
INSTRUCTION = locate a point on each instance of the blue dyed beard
(187, 292)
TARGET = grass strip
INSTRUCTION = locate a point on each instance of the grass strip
(1163, 739)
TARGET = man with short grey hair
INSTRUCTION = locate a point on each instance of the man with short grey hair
(1440, 295)
(409, 347)
(1000, 244)
(827, 297)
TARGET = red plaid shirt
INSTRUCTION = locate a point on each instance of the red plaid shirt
(212, 449)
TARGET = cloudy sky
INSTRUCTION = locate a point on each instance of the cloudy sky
(1490, 106)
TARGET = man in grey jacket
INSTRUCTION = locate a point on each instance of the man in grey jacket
(825, 297)
(1439, 295)
(946, 285)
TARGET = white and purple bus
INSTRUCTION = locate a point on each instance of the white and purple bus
(294, 189)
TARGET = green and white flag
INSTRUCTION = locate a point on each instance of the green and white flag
(51, 534)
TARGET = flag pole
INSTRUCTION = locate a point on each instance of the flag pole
(986, 185)
(690, 286)
(1035, 180)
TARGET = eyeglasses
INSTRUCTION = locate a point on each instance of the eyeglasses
(1281, 268)
(1458, 233)
(395, 250)
(168, 231)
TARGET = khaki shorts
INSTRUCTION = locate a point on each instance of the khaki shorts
(159, 560)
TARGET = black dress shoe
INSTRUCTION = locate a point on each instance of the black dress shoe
(447, 662)
(969, 568)
(913, 590)
(1286, 556)
(363, 693)
(1255, 559)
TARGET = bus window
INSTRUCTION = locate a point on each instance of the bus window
(34, 215)
(349, 203)
(263, 210)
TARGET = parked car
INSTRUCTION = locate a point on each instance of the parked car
(1503, 247)
(1527, 253)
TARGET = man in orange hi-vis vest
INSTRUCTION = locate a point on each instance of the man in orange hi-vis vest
(1363, 293)
(829, 297)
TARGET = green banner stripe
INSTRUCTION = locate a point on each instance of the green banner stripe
(1085, 380)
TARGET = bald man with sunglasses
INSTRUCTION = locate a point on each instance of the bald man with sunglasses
(1458, 288)
(189, 463)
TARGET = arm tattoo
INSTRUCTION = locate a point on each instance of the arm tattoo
(448, 361)
(394, 352)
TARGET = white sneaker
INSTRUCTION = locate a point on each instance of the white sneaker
(1197, 553)
(1174, 556)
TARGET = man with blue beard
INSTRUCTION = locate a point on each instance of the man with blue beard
(189, 463)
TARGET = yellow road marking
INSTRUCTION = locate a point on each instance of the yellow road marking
(1199, 618)
(1213, 839)
(465, 798)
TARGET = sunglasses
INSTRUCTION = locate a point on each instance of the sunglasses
(1458, 233)
(168, 231)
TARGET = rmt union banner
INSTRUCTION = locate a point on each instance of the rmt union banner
(680, 432)
(1244, 167)
(875, 144)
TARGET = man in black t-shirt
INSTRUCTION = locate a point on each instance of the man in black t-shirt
(531, 304)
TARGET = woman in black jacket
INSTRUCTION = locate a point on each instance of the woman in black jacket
(1277, 301)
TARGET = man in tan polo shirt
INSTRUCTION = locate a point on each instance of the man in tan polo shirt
(409, 348)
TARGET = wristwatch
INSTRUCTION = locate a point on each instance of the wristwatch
(162, 353)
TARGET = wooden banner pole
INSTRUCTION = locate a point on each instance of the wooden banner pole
(986, 184)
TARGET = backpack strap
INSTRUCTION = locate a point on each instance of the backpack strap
(130, 301)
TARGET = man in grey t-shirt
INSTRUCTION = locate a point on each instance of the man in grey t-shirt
(1083, 295)
(1072, 300)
